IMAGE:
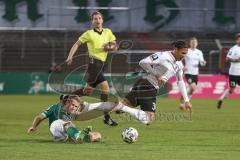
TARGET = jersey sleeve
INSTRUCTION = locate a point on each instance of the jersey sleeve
(111, 36)
(48, 112)
(230, 53)
(181, 85)
(166, 76)
(201, 57)
(179, 75)
(147, 62)
(84, 38)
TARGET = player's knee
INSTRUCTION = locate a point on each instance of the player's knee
(231, 90)
(104, 87)
(58, 131)
(95, 136)
(193, 87)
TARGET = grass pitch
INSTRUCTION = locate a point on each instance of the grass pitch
(212, 134)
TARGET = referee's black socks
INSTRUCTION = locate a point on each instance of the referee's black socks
(79, 92)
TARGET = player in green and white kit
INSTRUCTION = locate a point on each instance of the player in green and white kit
(60, 121)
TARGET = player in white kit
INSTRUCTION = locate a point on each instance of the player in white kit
(160, 67)
(193, 59)
(233, 57)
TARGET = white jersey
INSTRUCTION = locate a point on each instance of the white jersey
(165, 65)
(234, 53)
(192, 61)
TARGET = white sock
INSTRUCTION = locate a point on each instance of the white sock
(136, 113)
(104, 106)
(225, 94)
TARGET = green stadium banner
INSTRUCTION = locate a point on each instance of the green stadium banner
(38, 83)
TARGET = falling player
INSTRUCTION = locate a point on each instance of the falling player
(233, 57)
(193, 59)
(160, 67)
(61, 118)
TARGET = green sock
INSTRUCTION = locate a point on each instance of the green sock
(73, 133)
(84, 134)
(87, 129)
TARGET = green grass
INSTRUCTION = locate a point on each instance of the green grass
(212, 134)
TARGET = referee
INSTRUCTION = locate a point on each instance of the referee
(99, 42)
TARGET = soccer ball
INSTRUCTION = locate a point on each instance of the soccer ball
(110, 46)
(130, 135)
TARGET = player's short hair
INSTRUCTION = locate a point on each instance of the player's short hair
(237, 35)
(179, 44)
(96, 13)
(74, 97)
(193, 38)
(68, 98)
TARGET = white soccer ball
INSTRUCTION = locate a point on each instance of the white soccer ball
(130, 135)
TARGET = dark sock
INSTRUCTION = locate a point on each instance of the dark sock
(106, 115)
(79, 92)
(104, 98)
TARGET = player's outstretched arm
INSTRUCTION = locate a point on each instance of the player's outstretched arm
(72, 52)
(183, 90)
(202, 60)
(37, 120)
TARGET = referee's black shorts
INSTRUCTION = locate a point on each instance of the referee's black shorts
(143, 94)
(94, 74)
(234, 80)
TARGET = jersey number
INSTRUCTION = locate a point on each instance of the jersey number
(154, 57)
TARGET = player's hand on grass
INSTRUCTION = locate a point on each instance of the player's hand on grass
(188, 106)
(31, 129)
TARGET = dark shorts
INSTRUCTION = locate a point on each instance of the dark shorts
(94, 74)
(143, 94)
(191, 78)
(234, 80)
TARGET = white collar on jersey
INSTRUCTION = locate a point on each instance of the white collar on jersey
(171, 55)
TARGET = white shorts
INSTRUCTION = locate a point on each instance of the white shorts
(57, 130)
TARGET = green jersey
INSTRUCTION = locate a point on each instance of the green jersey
(56, 112)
